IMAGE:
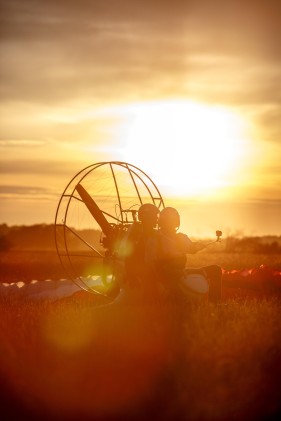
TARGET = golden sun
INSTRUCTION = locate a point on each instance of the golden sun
(188, 148)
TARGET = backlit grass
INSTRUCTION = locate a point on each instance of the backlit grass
(75, 360)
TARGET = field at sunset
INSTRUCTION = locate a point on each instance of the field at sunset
(73, 358)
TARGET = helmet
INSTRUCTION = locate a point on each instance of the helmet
(148, 212)
(169, 217)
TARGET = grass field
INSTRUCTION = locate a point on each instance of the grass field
(75, 360)
(24, 265)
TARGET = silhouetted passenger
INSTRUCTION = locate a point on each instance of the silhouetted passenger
(166, 255)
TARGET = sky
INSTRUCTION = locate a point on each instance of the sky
(189, 91)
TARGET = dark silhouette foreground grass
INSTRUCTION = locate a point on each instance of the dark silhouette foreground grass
(72, 360)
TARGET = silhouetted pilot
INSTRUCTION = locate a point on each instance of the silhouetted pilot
(134, 247)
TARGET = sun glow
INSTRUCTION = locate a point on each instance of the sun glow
(189, 149)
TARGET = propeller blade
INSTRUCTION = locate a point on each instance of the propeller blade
(94, 210)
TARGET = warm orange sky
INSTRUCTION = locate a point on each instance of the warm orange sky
(189, 91)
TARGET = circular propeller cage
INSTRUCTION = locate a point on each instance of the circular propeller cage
(103, 196)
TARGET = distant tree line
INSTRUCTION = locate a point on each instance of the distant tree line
(35, 237)
(258, 245)
(42, 237)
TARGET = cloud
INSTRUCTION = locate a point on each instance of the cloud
(21, 142)
(267, 118)
(29, 193)
(56, 51)
(62, 56)
(35, 167)
(254, 22)
(21, 190)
